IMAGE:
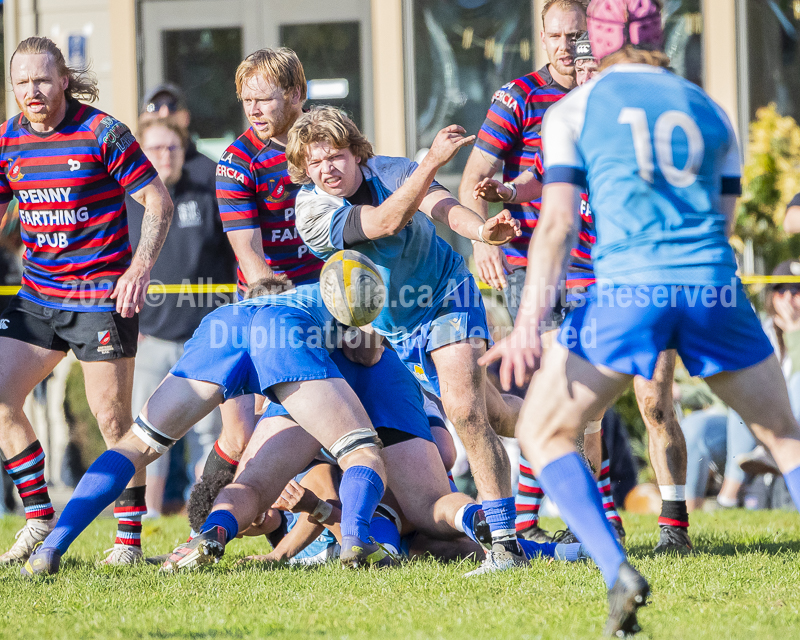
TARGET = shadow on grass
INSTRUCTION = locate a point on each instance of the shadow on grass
(724, 548)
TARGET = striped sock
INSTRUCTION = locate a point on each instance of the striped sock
(27, 472)
(529, 497)
(604, 485)
(128, 510)
(219, 460)
(453, 486)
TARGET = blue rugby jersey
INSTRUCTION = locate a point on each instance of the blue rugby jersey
(512, 133)
(657, 154)
(254, 192)
(70, 184)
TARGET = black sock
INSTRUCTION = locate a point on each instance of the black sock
(674, 513)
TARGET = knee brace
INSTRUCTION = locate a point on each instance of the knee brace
(357, 439)
(151, 436)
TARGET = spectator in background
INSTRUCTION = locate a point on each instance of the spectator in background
(196, 251)
(791, 221)
(167, 100)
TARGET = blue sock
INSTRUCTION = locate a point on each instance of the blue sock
(792, 479)
(501, 514)
(99, 487)
(222, 519)
(360, 491)
(536, 549)
(385, 532)
(468, 520)
(570, 485)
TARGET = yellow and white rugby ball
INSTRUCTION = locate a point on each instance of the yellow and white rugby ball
(352, 288)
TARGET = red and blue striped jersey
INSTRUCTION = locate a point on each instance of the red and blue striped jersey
(70, 184)
(511, 133)
(254, 191)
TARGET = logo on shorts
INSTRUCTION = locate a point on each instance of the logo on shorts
(104, 337)
(15, 171)
(3, 324)
(419, 373)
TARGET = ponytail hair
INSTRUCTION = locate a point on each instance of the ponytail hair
(82, 83)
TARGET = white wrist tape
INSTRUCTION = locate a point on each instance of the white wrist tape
(593, 426)
(322, 511)
(480, 234)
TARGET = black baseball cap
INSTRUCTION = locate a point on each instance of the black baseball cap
(786, 268)
(583, 48)
(171, 92)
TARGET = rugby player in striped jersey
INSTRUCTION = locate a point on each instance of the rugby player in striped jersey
(256, 203)
(69, 166)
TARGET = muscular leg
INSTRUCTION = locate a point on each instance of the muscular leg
(22, 367)
(173, 408)
(758, 394)
(667, 453)
(570, 391)
(463, 388)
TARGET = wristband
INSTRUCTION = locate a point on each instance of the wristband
(513, 187)
(480, 235)
(321, 512)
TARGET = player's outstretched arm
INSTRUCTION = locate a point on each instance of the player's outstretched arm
(547, 258)
(441, 206)
(490, 261)
(131, 288)
(392, 215)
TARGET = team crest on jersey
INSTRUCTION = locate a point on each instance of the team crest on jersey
(15, 171)
(276, 191)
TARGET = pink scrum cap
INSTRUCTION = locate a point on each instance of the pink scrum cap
(615, 23)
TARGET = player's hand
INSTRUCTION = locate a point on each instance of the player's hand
(491, 190)
(501, 228)
(521, 353)
(492, 265)
(787, 311)
(446, 145)
(297, 499)
(131, 290)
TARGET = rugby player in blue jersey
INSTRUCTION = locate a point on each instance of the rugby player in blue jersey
(69, 166)
(662, 166)
(434, 316)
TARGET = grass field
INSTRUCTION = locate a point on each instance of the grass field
(742, 582)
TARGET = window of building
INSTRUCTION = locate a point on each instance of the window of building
(771, 30)
(683, 38)
(461, 52)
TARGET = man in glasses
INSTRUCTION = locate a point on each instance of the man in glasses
(167, 100)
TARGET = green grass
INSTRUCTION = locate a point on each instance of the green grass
(741, 583)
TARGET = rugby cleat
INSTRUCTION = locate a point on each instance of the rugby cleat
(629, 592)
(42, 562)
(498, 558)
(34, 532)
(121, 554)
(355, 554)
(203, 549)
(673, 539)
(535, 533)
(565, 536)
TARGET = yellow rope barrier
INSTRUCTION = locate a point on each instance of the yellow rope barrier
(230, 288)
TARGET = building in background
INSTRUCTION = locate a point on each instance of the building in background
(401, 68)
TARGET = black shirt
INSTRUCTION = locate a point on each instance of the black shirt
(196, 251)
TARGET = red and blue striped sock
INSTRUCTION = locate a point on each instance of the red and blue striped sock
(128, 510)
(604, 485)
(27, 471)
(529, 497)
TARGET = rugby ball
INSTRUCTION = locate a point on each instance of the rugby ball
(352, 288)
